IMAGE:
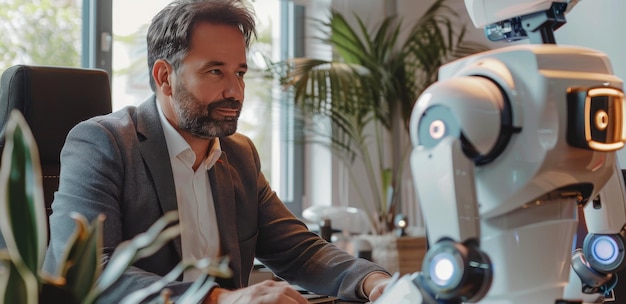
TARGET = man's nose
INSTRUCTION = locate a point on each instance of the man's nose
(234, 88)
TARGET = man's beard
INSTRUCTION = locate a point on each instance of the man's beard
(201, 120)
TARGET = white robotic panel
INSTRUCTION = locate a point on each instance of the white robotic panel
(507, 145)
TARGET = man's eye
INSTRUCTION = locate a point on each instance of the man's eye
(215, 72)
(241, 73)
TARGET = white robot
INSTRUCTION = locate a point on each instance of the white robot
(508, 145)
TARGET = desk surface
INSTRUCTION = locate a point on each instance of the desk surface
(319, 299)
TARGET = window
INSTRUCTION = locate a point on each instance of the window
(40, 32)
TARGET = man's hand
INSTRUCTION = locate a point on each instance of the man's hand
(374, 285)
(266, 292)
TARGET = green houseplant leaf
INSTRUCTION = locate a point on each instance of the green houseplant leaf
(142, 245)
(22, 198)
(82, 265)
(13, 288)
(210, 269)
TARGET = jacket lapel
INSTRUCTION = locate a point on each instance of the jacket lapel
(156, 157)
(226, 211)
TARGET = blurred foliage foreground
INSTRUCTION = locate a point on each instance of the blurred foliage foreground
(81, 277)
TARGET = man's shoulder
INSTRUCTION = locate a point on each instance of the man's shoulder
(236, 139)
(238, 144)
(129, 113)
(125, 112)
(119, 121)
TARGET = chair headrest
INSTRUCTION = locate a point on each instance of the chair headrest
(53, 100)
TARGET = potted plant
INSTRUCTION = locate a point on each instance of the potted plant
(369, 86)
(23, 227)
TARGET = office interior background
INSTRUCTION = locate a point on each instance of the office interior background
(110, 35)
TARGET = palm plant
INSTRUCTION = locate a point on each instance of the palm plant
(372, 82)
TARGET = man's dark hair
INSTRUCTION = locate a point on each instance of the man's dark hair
(169, 34)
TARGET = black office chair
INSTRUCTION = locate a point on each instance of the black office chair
(52, 100)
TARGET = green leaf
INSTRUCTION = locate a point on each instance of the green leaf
(82, 266)
(75, 244)
(22, 196)
(17, 283)
(197, 291)
(211, 268)
(130, 251)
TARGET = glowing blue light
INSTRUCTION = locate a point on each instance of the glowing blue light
(605, 250)
(443, 269)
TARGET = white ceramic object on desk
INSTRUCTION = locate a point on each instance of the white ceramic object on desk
(346, 219)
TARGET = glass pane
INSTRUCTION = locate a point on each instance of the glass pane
(40, 32)
(131, 86)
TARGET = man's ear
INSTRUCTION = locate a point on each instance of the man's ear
(161, 73)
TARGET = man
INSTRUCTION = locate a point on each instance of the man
(179, 150)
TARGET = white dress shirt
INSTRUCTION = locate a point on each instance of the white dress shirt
(196, 210)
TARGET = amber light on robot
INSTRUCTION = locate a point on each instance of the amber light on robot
(602, 119)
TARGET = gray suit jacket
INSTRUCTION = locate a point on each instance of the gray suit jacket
(118, 165)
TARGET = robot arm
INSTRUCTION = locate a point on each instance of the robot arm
(606, 215)
(448, 135)
(453, 125)
(594, 266)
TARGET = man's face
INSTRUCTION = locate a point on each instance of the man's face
(218, 118)
(208, 88)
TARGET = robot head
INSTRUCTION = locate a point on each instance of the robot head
(485, 12)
